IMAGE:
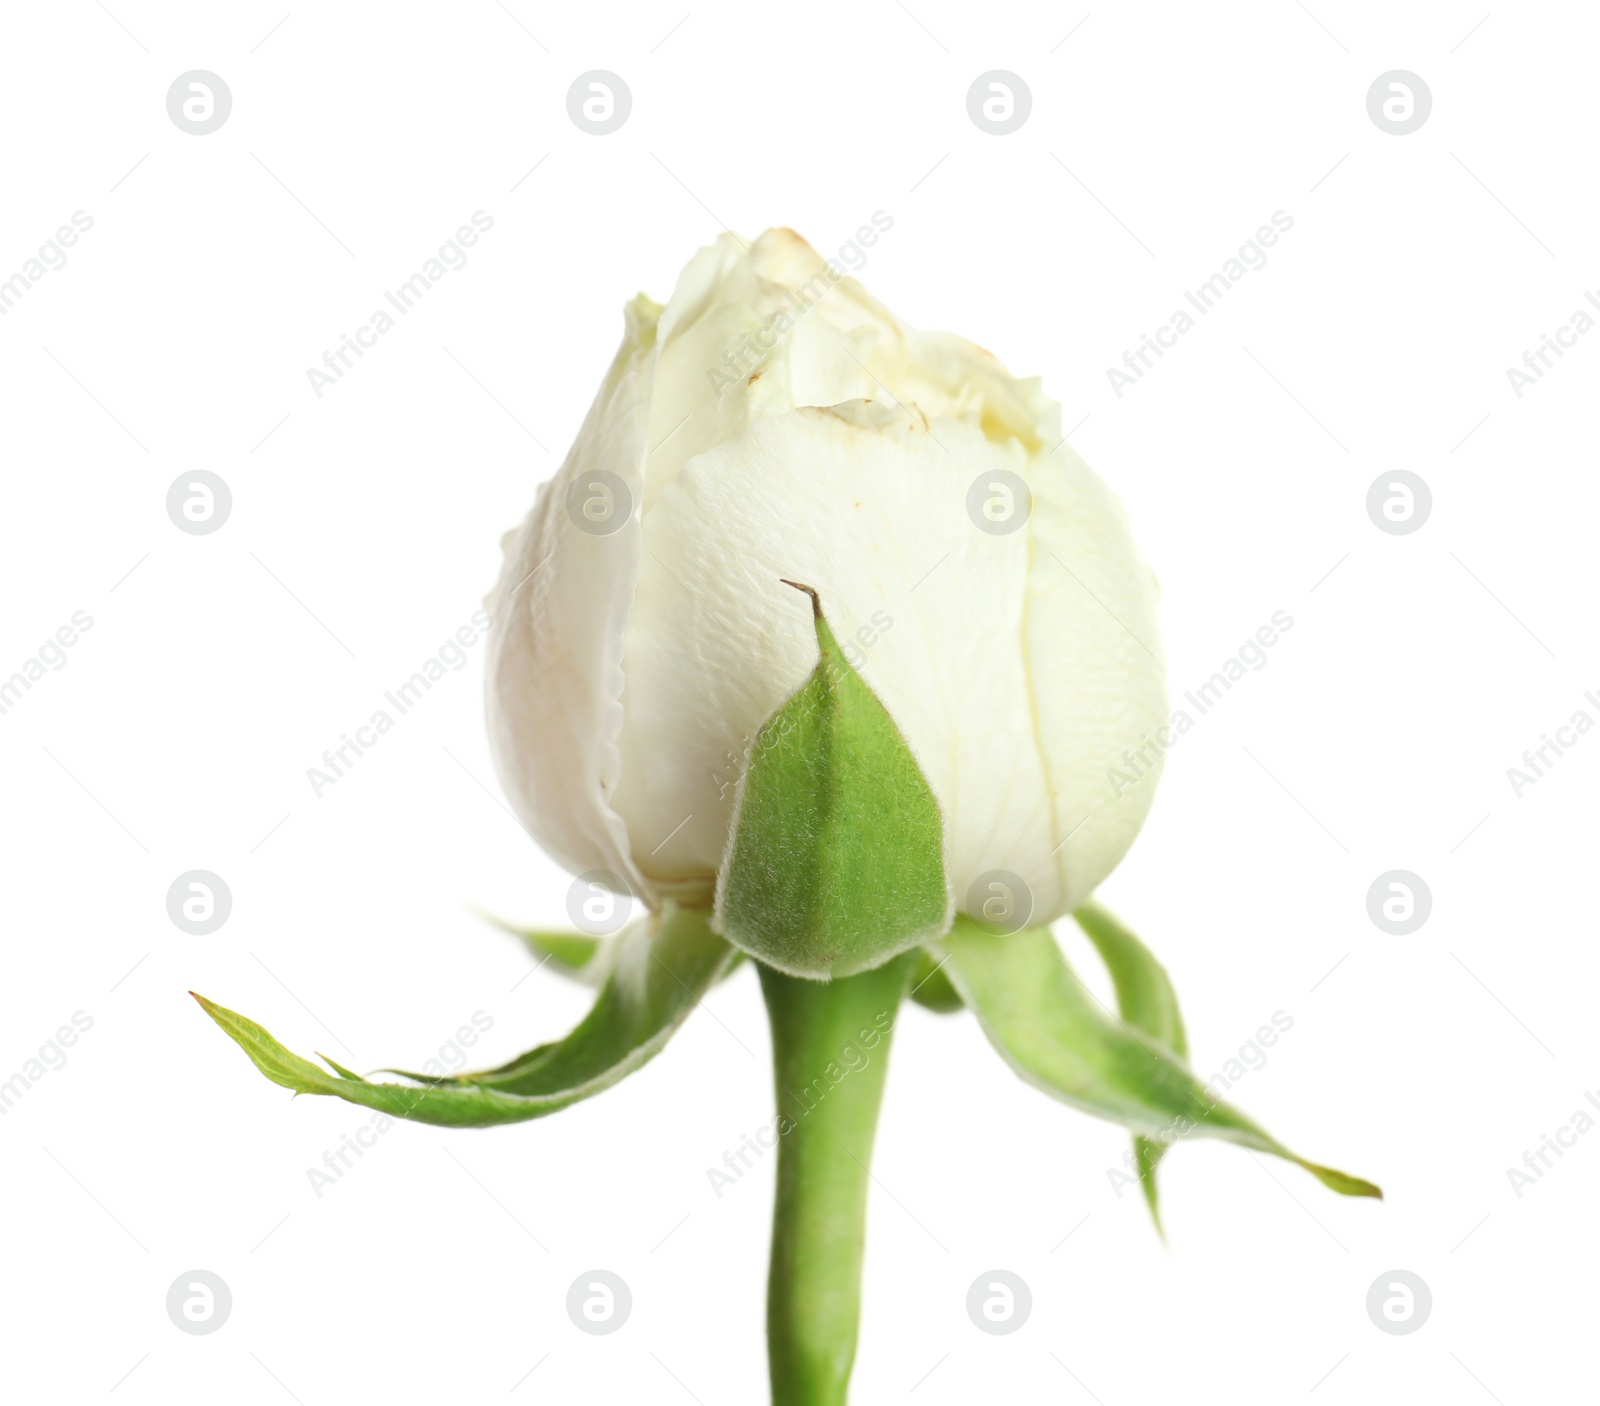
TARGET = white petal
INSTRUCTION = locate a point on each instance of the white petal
(753, 333)
(1098, 676)
(560, 611)
(870, 507)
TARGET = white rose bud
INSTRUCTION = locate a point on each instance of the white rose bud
(772, 422)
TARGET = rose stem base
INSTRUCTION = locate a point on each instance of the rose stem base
(828, 1116)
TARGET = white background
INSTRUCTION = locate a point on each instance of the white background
(178, 734)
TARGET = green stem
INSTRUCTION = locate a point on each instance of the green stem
(830, 1052)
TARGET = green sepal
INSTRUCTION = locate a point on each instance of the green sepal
(662, 969)
(1056, 1036)
(931, 987)
(568, 952)
(586, 960)
(837, 859)
(1148, 1002)
(328, 1060)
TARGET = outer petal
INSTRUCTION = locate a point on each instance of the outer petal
(560, 611)
(1098, 677)
(957, 631)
